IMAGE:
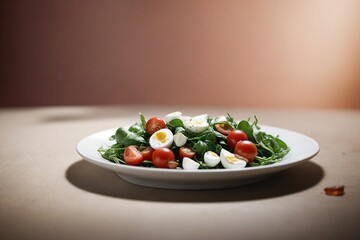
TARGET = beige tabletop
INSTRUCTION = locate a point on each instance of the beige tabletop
(47, 191)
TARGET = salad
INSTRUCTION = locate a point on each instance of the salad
(191, 143)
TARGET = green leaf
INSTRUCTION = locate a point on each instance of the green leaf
(136, 128)
(112, 138)
(200, 147)
(143, 121)
(113, 154)
(247, 129)
(126, 138)
(120, 134)
(176, 123)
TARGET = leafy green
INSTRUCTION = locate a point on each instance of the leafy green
(270, 148)
(143, 121)
(247, 129)
(126, 138)
(175, 123)
(138, 129)
(113, 154)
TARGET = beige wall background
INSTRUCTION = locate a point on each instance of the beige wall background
(244, 53)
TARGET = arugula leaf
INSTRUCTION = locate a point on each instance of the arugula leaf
(113, 154)
(271, 149)
(231, 120)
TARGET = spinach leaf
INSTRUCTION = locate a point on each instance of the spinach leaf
(126, 138)
(200, 147)
(175, 123)
(247, 129)
(137, 128)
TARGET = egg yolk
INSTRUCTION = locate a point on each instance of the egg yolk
(161, 136)
(197, 123)
(213, 154)
(232, 159)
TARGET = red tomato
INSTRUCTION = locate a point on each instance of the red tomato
(224, 128)
(246, 149)
(147, 153)
(154, 124)
(161, 157)
(234, 137)
(186, 152)
(133, 156)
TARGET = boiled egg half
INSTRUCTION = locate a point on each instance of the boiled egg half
(189, 164)
(161, 138)
(211, 159)
(229, 161)
(196, 125)
(180, 139)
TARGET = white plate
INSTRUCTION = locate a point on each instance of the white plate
(302, 147)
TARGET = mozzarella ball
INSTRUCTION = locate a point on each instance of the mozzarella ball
(189, 164)
(211, 159)
(229, 161)
(172, 116)
(180, 139)
(162, 138)
(196, 125)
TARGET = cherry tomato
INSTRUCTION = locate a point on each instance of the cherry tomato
(224, 128)
(246, 149)
(147, 153)
(133, 156)
(161, 157)
(154, 124)
(234, 137)
(186, 152)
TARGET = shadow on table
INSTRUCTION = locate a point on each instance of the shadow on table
(97, 180)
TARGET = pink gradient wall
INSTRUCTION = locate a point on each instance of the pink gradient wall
(243, 53)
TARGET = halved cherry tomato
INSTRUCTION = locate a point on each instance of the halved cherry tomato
(234, 137)
(147, 153)
(133, 156)
(246, 149)
(154, 124)
(161, 157)
(224, 128)
(186, 152)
